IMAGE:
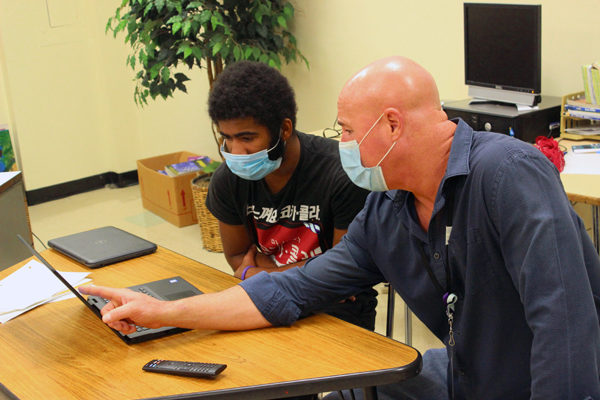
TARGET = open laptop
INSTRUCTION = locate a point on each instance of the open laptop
(103, 246)
(166, 289)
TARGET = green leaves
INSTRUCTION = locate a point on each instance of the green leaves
(175, 18)
(288, 10)
(143, 57)
(197, 52)
(165, 33)
(120, 27)
(205, 16)
(165, 74)
(148, 8)
(176, 22)
(237, 53)
(195, 4)
(187, 25)
(181, 77)
(131, 61)
(282, 21)
(214, 20)
(224, 51)
(176, 27)
(263, 31)
(216, 48)
(155, 70)
(108, 25)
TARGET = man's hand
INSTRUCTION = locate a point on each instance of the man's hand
(249, 259)
(126, 308)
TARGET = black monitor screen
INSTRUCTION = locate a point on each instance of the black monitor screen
(503, 46)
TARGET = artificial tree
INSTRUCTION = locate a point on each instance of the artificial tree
(205, 34)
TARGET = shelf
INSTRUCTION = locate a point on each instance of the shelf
(567, 122)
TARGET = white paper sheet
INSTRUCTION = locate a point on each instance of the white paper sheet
(59, 297)
(582, 163)
(33, 285)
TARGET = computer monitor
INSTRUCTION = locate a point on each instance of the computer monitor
(503, 52)
(13, 219)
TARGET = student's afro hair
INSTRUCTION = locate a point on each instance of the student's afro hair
(253, 89)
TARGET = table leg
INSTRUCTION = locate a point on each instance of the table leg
(407, 325)
(370, 393)
(596, 227)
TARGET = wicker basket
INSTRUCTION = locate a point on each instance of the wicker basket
(209, 225)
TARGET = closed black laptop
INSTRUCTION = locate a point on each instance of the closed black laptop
(102, 246)
(174, 288)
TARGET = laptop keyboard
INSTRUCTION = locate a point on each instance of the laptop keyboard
(147, 293)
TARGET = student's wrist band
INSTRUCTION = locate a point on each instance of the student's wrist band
(246, 270)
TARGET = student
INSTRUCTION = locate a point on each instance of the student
(476, 226)
(281, 190)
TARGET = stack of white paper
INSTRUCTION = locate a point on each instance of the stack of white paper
(33, 285)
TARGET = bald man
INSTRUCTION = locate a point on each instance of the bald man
(474, 231)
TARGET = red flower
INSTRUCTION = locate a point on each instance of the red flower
(550, 148)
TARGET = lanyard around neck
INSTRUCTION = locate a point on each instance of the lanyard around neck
(449, 298)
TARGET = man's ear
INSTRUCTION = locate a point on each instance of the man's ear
(287, 128)
(394, 123)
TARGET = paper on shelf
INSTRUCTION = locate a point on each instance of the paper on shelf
(588, 131)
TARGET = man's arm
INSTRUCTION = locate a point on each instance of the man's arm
(255, 303)
(231, 309)
(542, 244)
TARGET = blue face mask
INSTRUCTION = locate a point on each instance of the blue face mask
(252, 167)
(367, 178)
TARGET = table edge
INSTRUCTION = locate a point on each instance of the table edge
(316, 385)
(5, 393)
(11, 182)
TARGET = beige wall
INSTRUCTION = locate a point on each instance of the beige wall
(68, 96)
(341, 36)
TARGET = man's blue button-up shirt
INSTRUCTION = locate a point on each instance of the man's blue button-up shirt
(521, 262)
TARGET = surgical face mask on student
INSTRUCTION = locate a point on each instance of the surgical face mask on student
(367, 178)
(252, 167)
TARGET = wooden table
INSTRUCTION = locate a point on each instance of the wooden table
(584, 188)
(63, 351)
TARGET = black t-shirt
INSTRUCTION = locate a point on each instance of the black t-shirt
(297, 222)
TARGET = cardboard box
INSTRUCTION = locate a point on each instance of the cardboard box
(168, 197)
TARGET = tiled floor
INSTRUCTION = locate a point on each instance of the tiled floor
(123, 209)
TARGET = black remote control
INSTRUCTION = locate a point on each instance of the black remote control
(185, 368)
